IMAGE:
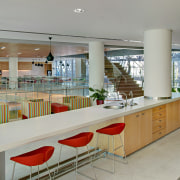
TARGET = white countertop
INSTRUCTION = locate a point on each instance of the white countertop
(22, 132)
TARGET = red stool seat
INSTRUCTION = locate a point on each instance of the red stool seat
(78, 140)
(57, 108)
(112, 129)
(34, 158)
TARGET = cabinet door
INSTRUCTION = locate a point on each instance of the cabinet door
(145, 127)
(173, 116)
(132, 133)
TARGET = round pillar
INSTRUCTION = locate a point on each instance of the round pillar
(13, 72)
(157, 63)
(96, 65)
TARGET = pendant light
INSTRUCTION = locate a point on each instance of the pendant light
(50, 57)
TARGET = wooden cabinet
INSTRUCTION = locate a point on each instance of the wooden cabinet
(144, 127)
(173, 116)
(139, 130)
(158, 122)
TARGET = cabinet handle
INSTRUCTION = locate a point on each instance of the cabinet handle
(160, 132)
(142, 113)
(137, 115)
(159, 126)
(160, 114)
(160, 108)
(160, 120)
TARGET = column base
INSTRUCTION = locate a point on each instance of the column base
(157, 98)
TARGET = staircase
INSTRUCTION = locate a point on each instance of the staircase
(122, 81)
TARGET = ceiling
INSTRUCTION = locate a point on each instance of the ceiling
(111, 22)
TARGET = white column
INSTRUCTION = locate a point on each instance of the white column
(13, 72)
(78, 67)
(96, 65)
(157, 63)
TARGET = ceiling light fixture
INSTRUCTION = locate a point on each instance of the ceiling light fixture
(135, 41)
(78, 10)
(19, 53)
(37, 49)
(50, 57)
(3, 47)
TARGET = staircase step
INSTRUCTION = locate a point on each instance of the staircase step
(125, 83)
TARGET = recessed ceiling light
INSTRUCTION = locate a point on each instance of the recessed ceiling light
(37, 49)
(19, 53)
(125, 40)
(3, 47)
(135, 41)
(78, 10)
(176, 44)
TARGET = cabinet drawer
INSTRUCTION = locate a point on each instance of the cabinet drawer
(158, 134)
(158, 125)
(159, 115)
(159, 108)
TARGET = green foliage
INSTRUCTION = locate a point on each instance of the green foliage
(178, 89)
(98, 94)
(173, 90)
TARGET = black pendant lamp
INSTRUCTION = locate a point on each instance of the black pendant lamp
(50, 57)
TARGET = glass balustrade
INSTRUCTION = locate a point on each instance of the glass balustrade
(15, 91)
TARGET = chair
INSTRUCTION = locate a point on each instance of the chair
(79, 140)
(34, 158)
(112, 130)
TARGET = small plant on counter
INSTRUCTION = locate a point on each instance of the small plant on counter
(98, 95)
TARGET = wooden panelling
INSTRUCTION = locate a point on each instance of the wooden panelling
(47, 67)
(24, 66)
(139, 130)
(158, 125)
(4, 65)
(159, 134)
(21, 66)
(158, 109)
(158, 122)
(173, 116)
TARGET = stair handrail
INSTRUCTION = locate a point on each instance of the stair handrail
(116, 71)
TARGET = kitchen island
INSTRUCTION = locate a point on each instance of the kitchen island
(139, 131)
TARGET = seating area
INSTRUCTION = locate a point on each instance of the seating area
(42, 155)
(29, 107)
(36, 108)
(4, 113)
(76, 102)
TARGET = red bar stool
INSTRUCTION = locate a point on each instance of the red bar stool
(112, 130)
(79, 140)
(34, 158)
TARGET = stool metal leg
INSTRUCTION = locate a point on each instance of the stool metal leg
(108, 146)
(59, 156)
(97, 143)
(113, 155)
(13, 170)
(91, 162)
(124, 152)
(76, 162)
(30, 172)
(38, 171)
(48, 170)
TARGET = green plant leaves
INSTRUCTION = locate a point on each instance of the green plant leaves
(98, 94)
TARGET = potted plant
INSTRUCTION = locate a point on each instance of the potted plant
(98, 95)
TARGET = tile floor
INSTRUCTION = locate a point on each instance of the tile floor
(157, 161)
